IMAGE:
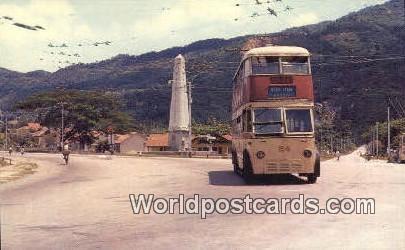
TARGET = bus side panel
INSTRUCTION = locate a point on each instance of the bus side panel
(246, 90)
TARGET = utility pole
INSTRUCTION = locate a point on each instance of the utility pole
(389, 132)
(320, 146)
(372, 141)
(6, 133)
(62, 125)
(377, 138)
(190, 101)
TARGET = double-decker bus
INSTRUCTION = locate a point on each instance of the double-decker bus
(273, 114)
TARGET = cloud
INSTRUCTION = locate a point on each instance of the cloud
(22, 49)
(192, 20)
(135, 27)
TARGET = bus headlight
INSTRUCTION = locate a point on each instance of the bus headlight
(307, 153)
(260, 154)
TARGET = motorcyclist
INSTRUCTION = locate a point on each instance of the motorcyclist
(337, 154)
(65, 153)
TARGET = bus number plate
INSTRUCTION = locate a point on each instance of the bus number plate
(275, 92)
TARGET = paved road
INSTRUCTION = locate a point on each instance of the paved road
(86, 205)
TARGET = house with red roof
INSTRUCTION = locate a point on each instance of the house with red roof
(157, 142)
(130, 143)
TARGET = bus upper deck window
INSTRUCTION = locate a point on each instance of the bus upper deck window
(265, 65)
(268, 121)
(295, 65)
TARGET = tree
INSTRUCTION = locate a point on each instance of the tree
(212, 127)
(332, 133)
(84, 112)
(397, 128)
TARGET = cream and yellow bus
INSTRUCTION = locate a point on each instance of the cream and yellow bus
(273, 114)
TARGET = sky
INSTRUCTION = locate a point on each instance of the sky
(138, 26)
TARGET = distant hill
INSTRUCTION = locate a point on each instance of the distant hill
(357, 65)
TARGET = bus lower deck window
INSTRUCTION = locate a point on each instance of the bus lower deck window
(275, 128)
(298, 120)
(268, 121)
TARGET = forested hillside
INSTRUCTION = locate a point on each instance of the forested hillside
(358, 63)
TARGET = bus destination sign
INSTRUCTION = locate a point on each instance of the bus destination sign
(282, 91)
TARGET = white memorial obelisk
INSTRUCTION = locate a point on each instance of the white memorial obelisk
(179, 112)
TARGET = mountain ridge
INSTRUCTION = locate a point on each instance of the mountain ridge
(344, 64)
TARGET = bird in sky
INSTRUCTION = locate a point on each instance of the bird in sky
(24, 26)
(255, 14)
(288, 8)
(39, 27)
(271, 11)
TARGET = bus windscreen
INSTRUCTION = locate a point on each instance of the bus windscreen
(268, 121)
(298, 121)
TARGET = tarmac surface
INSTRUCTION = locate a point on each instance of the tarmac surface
(86, 205)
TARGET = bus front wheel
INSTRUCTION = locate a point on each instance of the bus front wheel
(312, 178)
(235, 163)
(317, 171)
(247, 169)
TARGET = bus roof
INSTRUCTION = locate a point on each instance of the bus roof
(276, 51)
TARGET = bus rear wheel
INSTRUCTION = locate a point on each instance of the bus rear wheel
(235, 163)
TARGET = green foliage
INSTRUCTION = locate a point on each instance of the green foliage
(2, 138)
(397, 128)
(84, 111)
(332, 133)
(212, 127)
